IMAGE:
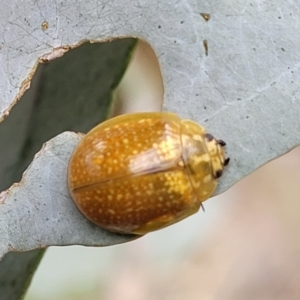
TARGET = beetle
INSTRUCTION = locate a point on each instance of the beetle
(141, 172)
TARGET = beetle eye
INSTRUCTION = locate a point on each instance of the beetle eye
(209, 137)
(218, 174)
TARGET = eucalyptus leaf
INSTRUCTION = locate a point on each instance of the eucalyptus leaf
(36, 213)
(236, 73)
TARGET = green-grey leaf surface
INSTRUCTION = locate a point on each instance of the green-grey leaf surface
(55, 220)
(245, 91)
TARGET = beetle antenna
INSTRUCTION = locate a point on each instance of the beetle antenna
(226, 161)
(221, 143)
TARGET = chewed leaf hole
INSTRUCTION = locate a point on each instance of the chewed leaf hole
(74, 92)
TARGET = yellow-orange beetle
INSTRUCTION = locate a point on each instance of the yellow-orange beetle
(141, 172)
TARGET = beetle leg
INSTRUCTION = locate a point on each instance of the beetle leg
(202, 206)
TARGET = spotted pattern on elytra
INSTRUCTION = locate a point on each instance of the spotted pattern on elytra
(141, 172)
